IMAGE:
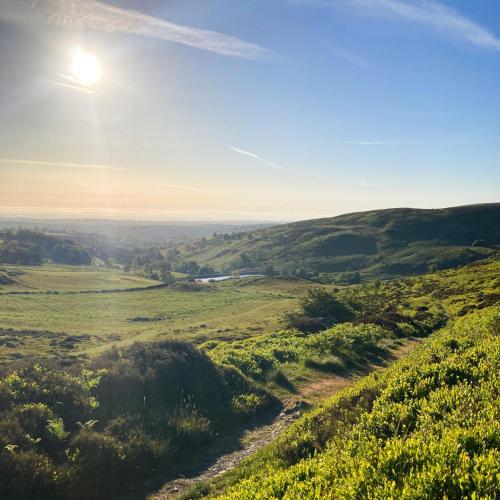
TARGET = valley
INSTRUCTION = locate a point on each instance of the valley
(260, 355)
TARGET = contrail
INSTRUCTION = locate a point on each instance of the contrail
(256, 157)
(95, 15)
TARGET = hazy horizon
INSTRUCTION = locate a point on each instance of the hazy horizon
(142, 219)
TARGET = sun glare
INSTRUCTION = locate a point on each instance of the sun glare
(85, 67)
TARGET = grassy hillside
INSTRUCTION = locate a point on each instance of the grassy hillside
(50, 277)
(381, 243)
(426, 427)
(386, 314)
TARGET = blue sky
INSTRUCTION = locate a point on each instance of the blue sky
(228, 109)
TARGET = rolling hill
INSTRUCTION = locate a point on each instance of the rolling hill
(391, 242)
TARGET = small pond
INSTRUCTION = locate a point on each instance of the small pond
(211, 279)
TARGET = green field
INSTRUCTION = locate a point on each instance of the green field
(67, 278)
(70, 324)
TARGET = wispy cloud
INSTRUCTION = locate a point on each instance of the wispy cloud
(40, 163)
(95, 15)
(256, 157)
(446, 21)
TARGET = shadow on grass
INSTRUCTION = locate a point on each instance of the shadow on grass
(354, 363)
(328, 366)
(280, 379)
(226, 442)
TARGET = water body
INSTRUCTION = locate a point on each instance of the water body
(211, 279)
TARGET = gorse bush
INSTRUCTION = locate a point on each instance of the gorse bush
(346, 339)
(91, 432)
(259, 356)
(319, 303)
(426, 427)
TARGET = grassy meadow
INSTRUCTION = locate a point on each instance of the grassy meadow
(51, 277)
(233, 314)
(69, 324)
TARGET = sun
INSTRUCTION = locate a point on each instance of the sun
(85, 67)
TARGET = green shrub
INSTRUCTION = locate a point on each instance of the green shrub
(426, 427)
(91, 431)
(28, 475)
(99, 465)
(259, 357)
(188, 425)
(247, 404)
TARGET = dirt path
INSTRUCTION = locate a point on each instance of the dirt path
(252, 440)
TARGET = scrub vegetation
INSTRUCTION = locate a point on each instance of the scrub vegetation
(95, 430)
(426, 427)
(110, 380)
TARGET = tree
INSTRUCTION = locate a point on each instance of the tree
(319, 310)
(189, 267)
(350, 278)
(269, 270)
(321, 304)
(164, 273)
(245, 261)
(302, 273)
(433, 268)
(206, 270)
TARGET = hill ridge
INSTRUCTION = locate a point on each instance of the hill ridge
(384, 243)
